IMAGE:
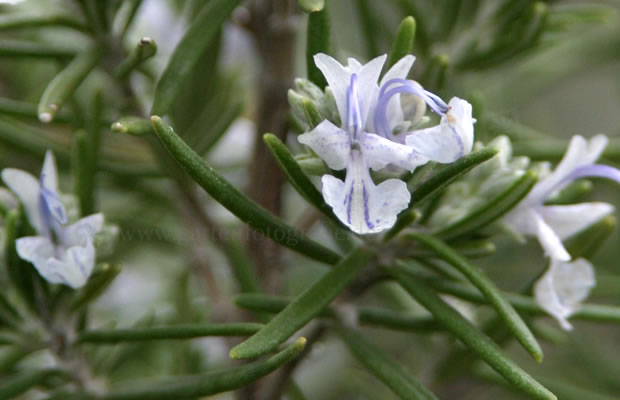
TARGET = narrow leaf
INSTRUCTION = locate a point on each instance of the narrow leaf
(236, 202)
(96, 285)
(207, 384)
(145, 49)
(167, 332)
(586, 243)
(393, 374)
(317, 41)
(475, 275)
(62, 87)
(295, 175)
(311, 6)
(472, 337)
(270, 304)
(198, 37)
(403, 43)
(449, 173)
(27, 49)
(399, 321)
(134, 126)
(305, 307)
(492, 210)
(21, 21)
(17, 384)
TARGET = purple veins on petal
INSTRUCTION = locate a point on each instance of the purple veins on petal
(366, 211)
(354, 114)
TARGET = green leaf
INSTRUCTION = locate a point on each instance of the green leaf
(17, 384)
(194, 386)
(587, 242)
(134, 126)
(448, 174)
(62, 87)
(188, 331)
(198, 37)
(132, 9)
(270, 304)
(393, 374)
(403, 43)
(317, 41)
(406, 219)
(492, 210)
(27, 110)
(469, 248)
(102, 277)
(27, 49)
(305, 307)
(394, 320)
(296, 176)
(589, 312)
(477, 277)
(311, 6)
(371, 28)
(144, 50)
(20, 21)
(471, 336)
(236, 202)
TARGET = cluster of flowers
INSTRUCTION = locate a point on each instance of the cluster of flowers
(372, 112)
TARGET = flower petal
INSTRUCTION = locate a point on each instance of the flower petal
(379, 152)
(359, 204)
(329, 142)
(563, 287)
(550, 241)
(27, 189)
(451, 139)
(338, 78)
(80, 261)
(40, 251)
(580, 153)
(49, 175)
(571, 219)
(82, 232)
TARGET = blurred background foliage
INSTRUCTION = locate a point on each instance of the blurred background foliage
(544, 70)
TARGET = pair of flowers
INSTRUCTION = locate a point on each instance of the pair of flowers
(371, 112)
(60, 252)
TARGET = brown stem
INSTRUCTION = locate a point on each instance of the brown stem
(273, 31)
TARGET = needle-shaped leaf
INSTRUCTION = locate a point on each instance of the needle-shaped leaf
(101, 278)
(471, 336)
(134, 126)
(311, 6)
(587, 311)
(27, 110)
(446, 175)
(236, 202)
(305, 307)
(145, 49)
(198, 37)
(187, 331)
(20, 21)
(17, 384)
(270, 304)
(62, 87)
(403, 43)
(295, 175)
(187, 387)
(492, 210)
(586, 243)
(477, 277)
(317, 41)
(394, 320)
(393, 374)
(28, 49)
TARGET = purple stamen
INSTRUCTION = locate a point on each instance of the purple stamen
(403, 86)
(354, 115)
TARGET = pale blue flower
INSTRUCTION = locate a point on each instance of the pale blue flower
(562, 289)
(61, 253)
(553, 223)
(360, 204)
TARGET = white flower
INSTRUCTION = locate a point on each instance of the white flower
(61, 253)
(552, 224)
(563, 288)
(360, 204)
